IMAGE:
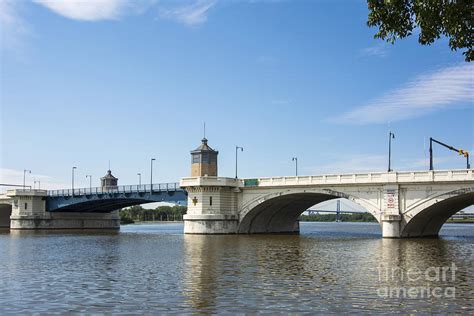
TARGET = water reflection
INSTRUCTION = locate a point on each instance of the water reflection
(330, 268)
(312, 274)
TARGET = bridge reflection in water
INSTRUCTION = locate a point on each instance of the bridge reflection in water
(324, 270)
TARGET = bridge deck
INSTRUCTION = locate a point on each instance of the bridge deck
(144, 188)
(99, 199)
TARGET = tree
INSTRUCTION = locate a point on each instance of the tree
(434, 18)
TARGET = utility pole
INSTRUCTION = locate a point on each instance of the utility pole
(390, 137)
(463, 152)
(151, 175)
(90, 181)
(24, 178)
(73, 168)
(236, 157)
(295, 159)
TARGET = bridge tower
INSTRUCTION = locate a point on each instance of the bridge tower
(108, 182)
(204, 160)
(212, 200)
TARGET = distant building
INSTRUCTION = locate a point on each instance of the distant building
(108, 182)
(204, 160)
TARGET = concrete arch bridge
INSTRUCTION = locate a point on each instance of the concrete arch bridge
(406, 204)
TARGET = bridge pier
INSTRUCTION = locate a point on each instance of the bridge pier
(212, 205)
(391, 226)
(29, 213)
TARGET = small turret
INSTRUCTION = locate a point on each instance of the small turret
(108, 182)
(204, 160)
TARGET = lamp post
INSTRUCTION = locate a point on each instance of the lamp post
(295, 159)
(73, 168)
(24, 178)
(139, 178)
(151, 175)
(90, 181)
(390, 137)
(236, 157)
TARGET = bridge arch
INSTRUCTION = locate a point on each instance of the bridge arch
(5, 213)
(426, 217)
(278, 212)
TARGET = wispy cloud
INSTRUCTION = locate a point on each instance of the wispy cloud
(188, 12)
(12, 27)
(10, 176)
(87, 10)
(378, 163)
(379, 50)
(438, 90)
(355, 163)
(193, 13)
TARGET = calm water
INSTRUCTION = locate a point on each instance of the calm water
(330, 267)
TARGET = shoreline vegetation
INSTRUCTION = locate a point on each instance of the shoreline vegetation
(137, 214)
(361, 217)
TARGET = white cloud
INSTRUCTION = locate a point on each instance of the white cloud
(379, 50)
(86, 10)
(10, 176)
(193, 13)
(188, 12)
(426, 93)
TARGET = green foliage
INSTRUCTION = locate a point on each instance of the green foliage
(435, 18)
(162, 213)
(361, 217)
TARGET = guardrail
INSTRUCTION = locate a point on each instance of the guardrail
(158, 187)
(374, 177)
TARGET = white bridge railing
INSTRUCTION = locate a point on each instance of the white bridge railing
(369, 178)
(158, 187)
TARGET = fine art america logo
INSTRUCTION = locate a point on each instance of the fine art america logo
(416, 283)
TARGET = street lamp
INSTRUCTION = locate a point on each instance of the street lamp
(139, 178)
(151, 175)
(90, 181)
(24, 178)
(39, 184)
(73, 168)
(295, 159)
(236, 150)
(390, 137)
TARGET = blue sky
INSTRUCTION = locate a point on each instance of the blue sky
(86, 82)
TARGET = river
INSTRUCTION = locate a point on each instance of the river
(328, 268)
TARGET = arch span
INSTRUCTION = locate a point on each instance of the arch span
(279, 212)
(427, 218)
(5, 213)
(102, 206)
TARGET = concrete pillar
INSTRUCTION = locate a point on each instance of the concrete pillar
(212, 205)
(391, 226)
(391, 216)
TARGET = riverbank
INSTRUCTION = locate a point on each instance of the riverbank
(360, 217)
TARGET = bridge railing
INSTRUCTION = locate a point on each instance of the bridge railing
(144, 188)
